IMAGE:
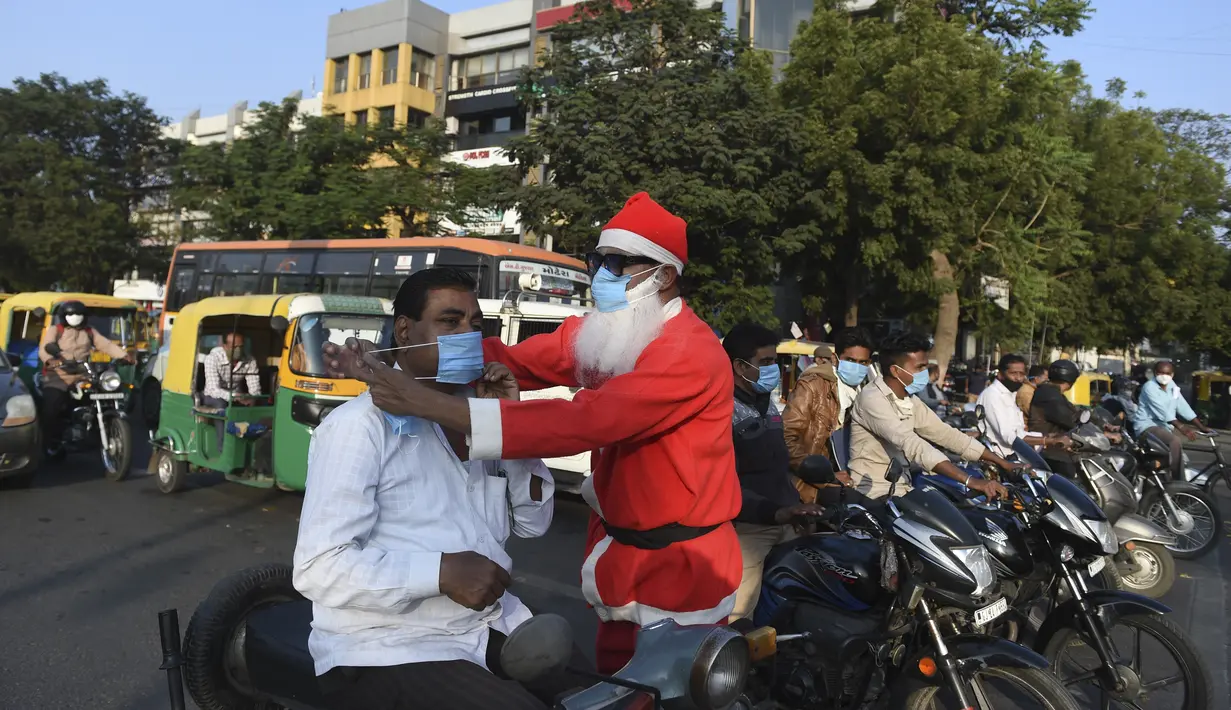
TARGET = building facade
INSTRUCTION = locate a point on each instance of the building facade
(226, 127)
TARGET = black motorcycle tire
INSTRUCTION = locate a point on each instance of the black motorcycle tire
(1153, 497)
(120, 429)
(1043, 686)
(213, 625)
(1200, 687)
(1166, 571)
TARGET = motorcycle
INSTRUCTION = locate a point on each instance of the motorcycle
(863, 600)
(98, 418)
(246, 647)
(1217, 470)
(1047, 542)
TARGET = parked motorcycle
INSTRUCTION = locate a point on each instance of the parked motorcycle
(864, 599)
(98, 418)
(1046, 542)
(1215, 471)
(1190, 513)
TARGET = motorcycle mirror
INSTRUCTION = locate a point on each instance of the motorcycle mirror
(540, 645)
(39, 313)
(1084, 416)
(816, 471)
(979, 412)
(53, 349)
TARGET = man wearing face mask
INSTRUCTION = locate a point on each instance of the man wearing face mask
(402, 533)
(1162, 411)
(1004, 421)
(821, 401)
(770, 502)
(889, 420)
(655, 413)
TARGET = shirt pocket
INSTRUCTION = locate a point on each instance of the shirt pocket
(496, 508)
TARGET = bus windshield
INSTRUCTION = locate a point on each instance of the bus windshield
(316, 329)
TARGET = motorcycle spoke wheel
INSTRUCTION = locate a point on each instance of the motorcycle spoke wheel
(1205, 523)
(999, 688)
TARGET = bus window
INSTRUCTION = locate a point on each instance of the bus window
(288, 272)
(389, 270)
(239, 274)
(205, 287)
(181, 293)
(344, 273)
(556, 282)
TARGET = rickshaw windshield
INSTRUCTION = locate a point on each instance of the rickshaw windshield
(316, 329)
(118, 324)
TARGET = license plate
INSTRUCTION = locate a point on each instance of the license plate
(991, 611)
(1097, 566)
(113, 395)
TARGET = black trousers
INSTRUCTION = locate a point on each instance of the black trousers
(1060, 462)
(51, 414)
(444, 685)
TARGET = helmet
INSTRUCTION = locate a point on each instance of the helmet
(74, 313)
(1063, 371)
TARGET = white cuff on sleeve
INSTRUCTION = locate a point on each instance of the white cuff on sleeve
(423, 578)
(486, 438)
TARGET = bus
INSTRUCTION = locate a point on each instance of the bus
(523, 291)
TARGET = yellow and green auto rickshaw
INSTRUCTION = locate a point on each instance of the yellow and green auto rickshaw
(25, 317)
(1089, 389)
(1212, 397)
(264, 435)
(789, 354)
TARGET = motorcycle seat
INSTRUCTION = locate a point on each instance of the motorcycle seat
(276, 649)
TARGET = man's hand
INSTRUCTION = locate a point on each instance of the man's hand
(1189, 432)
(472, 580)
(991, 489)
(798, 512)
(497, 382)
(1063, 441)
(342, 360)
(844, 477)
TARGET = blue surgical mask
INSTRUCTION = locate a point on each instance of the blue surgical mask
(611, 291)
(852, 373)
(459, 361)
(768, 377)
(917, 383)
(401, 425)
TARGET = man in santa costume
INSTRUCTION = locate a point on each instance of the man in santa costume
(655, 412)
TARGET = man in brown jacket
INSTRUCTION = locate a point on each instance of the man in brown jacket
(1036, 377)
(77, 341)
(821, 399)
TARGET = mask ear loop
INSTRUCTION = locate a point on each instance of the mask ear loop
(654, 279)
(407, 347)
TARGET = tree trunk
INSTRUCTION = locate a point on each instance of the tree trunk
(948, 308)
(851, 316)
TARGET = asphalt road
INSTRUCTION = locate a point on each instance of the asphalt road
(85, 566)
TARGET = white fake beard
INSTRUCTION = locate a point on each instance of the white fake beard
(608, 344)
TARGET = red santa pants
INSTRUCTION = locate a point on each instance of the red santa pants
(615, 643)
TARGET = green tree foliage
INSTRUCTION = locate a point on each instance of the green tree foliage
(76, 161)
(310, 177)
(1012, 22)
(662, 98)
(934, 160)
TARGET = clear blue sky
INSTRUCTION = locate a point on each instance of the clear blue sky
(211, 54)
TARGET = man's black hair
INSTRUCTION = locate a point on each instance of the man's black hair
(854, 337)
(1037, 371)
(412, 295)
(1160, 363)
(895, 347)
(1009, 359)
(744, 340)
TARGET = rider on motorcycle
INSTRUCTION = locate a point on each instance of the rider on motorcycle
(77, 341)
(1054, 417)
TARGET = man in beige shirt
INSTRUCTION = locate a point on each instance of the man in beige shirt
(77, 341)
(888, 420)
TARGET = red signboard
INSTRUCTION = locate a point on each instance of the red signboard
(546, 19)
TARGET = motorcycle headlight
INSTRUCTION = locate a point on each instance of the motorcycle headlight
(110, 381)
(977, 560)
(719, 670)
(19, 409)
(1105, 534)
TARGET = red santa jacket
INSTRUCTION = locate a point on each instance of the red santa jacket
(662, 453)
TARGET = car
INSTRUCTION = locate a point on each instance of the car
(21, 445)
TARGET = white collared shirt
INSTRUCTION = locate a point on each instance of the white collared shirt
(1005, 423)
(846, 398)
(385, 498)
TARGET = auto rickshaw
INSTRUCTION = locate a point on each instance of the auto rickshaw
(1212, 397)
(789, 353)
(1089, 389)
(25, 317)
(265, 435)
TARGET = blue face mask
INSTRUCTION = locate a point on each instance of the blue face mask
(401, 425)
(917, 383)
(852, 373)
(768, 377)
(611, 291)
(460, 359)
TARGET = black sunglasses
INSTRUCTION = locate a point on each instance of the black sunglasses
(615, 263)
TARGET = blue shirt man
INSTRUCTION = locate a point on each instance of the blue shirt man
(1160, 407)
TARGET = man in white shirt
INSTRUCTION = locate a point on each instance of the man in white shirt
(401, 538)
(1004, 421)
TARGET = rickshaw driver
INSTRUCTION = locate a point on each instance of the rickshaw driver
(401, 537)
(224, 366)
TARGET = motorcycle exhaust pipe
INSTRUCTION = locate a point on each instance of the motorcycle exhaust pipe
(172, 660)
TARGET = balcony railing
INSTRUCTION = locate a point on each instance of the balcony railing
(365, 80)
(389, 76)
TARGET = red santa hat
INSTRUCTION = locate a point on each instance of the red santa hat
(645, 228)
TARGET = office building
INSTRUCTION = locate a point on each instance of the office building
(226, 127)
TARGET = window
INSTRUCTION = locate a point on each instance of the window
(386, 115)
(417, 118)
(502, 124)
(365, 70)
(361, 118)
(315, 329)
(511, 62)
(238, 274)
(489, 130)
(389, 72)
(180, 294)
(344, 273)
(503, 67)
(422, 69)
(341, 67)
(288, 272)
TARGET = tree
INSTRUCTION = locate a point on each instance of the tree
(660, 97)
(1012, 22)
(310, 177)
(934, 160)
(76, 160)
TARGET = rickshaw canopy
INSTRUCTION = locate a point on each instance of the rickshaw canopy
(48, 300)
(799, 347)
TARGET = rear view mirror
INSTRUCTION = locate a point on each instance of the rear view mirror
(39, 313)
(279, 323)
(816, 471)
(1084, 416)
(539, 646)
(980, 413)
(53, 349)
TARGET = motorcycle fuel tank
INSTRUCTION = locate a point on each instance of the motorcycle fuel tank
(1004, 537)
(839, 571)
